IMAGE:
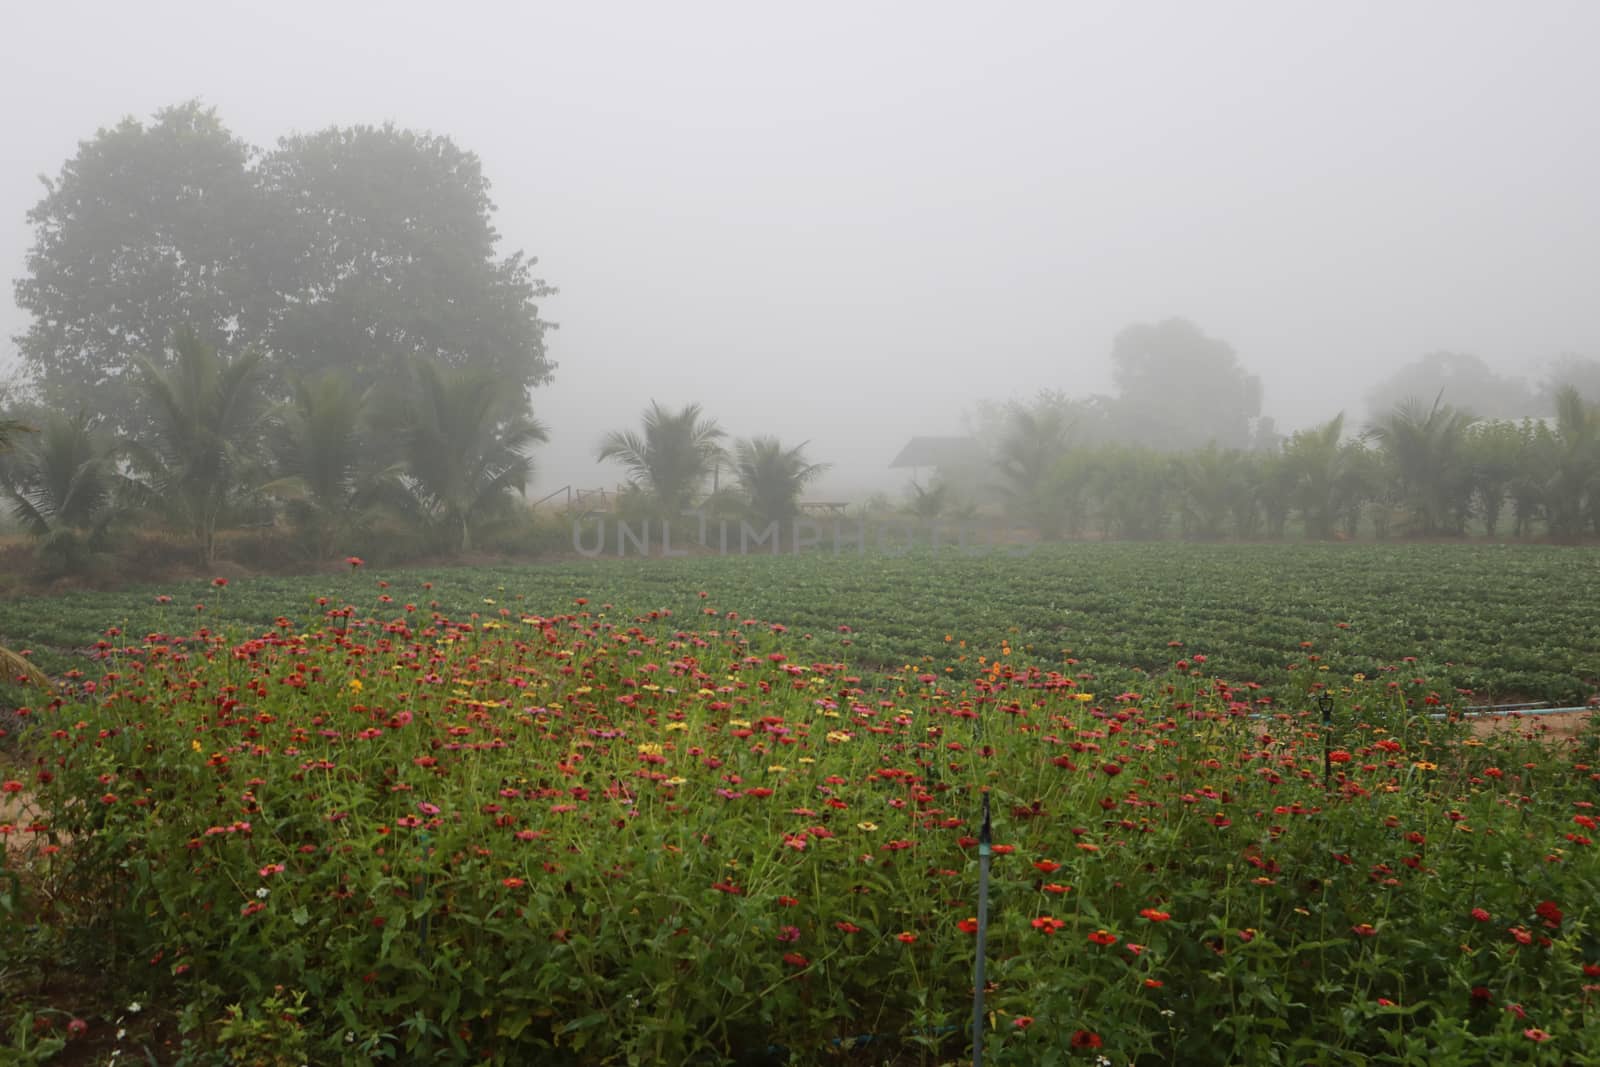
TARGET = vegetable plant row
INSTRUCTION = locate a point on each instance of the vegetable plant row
(1478, 623)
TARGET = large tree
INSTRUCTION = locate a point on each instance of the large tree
(352, 249)
(1461, 380)
(147, 229)
(1181, 388)
(384, 250)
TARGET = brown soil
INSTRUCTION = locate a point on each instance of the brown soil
(1562, 726)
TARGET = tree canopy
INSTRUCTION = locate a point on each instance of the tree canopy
(354, 249)
(1458, 379)
(1181, 388)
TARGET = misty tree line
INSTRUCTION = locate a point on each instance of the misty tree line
(1423, 468)
(321, 340)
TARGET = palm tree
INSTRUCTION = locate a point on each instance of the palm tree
(15, 666)
(671, 459)
(64, 488)
(325, 468)
(1427, 452)
(1494, 452)
(10, 430)
(1572, 486)
(1209, 483)
(1034, 442)
(773, 477)
(464, 439)
(1328, 478)
(205, 412)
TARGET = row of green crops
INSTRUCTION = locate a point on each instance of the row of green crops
(574, 834)
(1501, 622)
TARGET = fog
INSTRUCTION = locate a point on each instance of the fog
(848, 223)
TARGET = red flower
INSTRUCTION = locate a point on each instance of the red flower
(1047, 866)
(354, 561)
(1056, 888)
(77, 1028)
(848, 927)
(1153, 983)
(1086, 1039)
(1481, 915)
(1155, 916)
(1047, 925)
(906, 937)
(219, 582)
(787, 902)
(1523, 937)
(1003, 850)
(1022, 1022)
(513, 883)
(1364, 930)
(1548, 911)
(12, 786)
(968, 926)
(1536, 1035)
(794, 959)
(1100, 937)
(727, 887)
(1111, 770)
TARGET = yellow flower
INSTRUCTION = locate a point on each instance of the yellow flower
(195, 745)
(776, 769)
(650, 748)
(675, 781)
(868, 827)
(677, 726)
(1424, 765)
(355, 685)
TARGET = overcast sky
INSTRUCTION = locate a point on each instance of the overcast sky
(849, 221)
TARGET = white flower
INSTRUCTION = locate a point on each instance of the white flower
(263, 893)
(136, 1007)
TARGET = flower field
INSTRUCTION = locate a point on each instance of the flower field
(533, 820)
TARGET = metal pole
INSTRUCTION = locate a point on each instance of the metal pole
(978, 979)
(1325, 703)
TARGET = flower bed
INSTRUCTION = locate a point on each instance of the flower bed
(589, 836)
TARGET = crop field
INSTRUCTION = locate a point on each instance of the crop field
(730, 811)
